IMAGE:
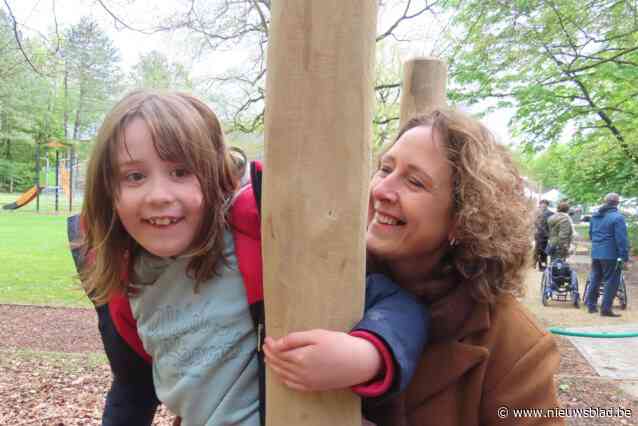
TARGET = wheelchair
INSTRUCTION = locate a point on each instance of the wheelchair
(559, 282)
(622, 295)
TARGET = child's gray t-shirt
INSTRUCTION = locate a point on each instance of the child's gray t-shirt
(203, 344)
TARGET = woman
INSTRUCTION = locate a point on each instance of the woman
(448, 221)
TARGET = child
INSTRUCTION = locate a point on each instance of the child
(175, 273)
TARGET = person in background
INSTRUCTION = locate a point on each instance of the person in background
(609, 254)
(561, 232)
(541, 236)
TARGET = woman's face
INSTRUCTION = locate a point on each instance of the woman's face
(410, 211)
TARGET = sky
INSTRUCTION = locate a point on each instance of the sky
(35, 16)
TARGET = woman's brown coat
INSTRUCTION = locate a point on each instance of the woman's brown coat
(483, 357)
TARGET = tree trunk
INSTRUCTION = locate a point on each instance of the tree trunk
(78, 113)
(318, 131)
(66, 100)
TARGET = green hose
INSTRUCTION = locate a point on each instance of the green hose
(599, 335)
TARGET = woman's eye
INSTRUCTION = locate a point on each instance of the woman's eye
(385, 170)
(134, 177)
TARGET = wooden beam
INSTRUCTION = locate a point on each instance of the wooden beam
(318, 132)
(423, 89)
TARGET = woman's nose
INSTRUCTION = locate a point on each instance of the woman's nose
(386, 190)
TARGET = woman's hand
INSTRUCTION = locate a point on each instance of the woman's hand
(318, 360)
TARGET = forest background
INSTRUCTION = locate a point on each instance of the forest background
(564, 73)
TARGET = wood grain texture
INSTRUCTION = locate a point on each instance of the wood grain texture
(424, 87)
(318, 132)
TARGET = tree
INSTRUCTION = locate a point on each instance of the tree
(153, 70)
(91, 76)
(242, 25)
(565, 65)
(584, 171)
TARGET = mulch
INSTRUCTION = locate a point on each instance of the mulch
(53, 372)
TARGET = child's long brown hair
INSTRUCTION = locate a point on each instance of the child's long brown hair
(184, 130)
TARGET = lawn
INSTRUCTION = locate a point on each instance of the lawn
(37, 267)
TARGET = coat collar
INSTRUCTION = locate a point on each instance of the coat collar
(455, 319)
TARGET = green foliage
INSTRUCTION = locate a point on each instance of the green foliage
(154, 71)
(15, 176)
(565, 67)
(632, 229)
(585, 170)
(90, 77)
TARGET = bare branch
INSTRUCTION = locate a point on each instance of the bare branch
(387, 86)
(122, 23)
(264, 21)
(385, 121)
(404, 17)
(604, 61)
(17, 37)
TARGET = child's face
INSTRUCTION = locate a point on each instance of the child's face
(160, 202)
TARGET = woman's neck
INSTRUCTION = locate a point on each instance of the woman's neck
(411, 272)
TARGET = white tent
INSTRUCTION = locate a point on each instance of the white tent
(553, 195)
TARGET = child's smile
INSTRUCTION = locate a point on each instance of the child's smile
(162, 221)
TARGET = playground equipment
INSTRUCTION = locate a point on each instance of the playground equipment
(63, 193)
(24, 199)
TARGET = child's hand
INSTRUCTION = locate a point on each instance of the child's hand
(318, 360)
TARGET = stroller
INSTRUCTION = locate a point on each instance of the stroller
(559, 282)
(622, 294)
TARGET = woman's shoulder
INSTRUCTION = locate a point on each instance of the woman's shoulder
(509, 318)
(514, 338)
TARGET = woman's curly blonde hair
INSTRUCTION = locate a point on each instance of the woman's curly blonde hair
(491, 211)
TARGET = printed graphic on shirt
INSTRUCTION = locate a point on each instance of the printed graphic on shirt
(202, 341)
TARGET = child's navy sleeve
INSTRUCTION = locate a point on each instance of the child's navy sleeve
(131, 400)
(401, 321)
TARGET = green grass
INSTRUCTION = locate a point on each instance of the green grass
(37, 267)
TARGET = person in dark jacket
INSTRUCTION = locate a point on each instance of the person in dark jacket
(541, 236)
(609, 253)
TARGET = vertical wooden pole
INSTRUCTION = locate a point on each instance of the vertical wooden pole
(423, 90)
(318, 131)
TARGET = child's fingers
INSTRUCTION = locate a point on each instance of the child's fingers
(284, 374)
(296, 340)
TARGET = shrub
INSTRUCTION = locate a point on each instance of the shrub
(632, 228)
(20, 173)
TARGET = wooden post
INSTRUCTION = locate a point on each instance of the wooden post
(423, 90)
(318, 130)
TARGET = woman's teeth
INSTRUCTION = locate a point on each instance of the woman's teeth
(387, 220)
